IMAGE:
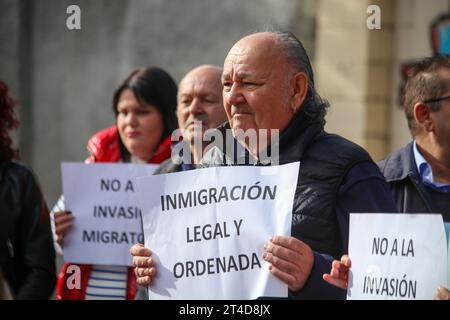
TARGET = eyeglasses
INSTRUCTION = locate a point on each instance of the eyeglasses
(437, 99)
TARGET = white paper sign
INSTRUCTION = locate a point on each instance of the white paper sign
(103, 200)
(207, 228)
(396, 256)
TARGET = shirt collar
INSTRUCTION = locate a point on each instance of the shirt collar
(426, 173)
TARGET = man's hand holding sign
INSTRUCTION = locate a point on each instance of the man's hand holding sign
(290, 260)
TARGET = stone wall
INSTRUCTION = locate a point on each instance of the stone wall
(358, 69)
(353, 65)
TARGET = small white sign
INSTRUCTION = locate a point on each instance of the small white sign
(207, 228)
(103, 200)
(396, 256)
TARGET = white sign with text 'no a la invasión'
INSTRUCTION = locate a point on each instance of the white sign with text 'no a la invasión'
(207, 228)
(103, 200)
(396, 256)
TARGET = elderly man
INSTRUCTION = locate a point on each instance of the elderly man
(199, 109)
(268, 85)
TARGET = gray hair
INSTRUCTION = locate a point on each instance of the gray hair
(314, 107)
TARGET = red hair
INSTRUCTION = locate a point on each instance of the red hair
(8, 121)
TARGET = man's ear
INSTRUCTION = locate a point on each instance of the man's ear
(423, 117)
(299, 88)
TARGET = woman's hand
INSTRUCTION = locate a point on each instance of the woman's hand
(63, 223)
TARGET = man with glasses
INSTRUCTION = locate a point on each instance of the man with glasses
(419, 174)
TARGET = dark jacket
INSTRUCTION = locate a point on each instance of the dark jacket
(410, 194)
(26, 242)
(325, 160)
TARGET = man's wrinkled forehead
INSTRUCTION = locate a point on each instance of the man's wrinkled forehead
(247, 58)
(237, 56)
(237, 51)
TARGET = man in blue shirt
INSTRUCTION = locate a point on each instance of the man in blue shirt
(419, 173)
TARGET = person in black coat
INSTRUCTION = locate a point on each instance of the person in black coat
(27, 255)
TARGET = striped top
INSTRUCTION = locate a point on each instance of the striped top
(107, 283)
